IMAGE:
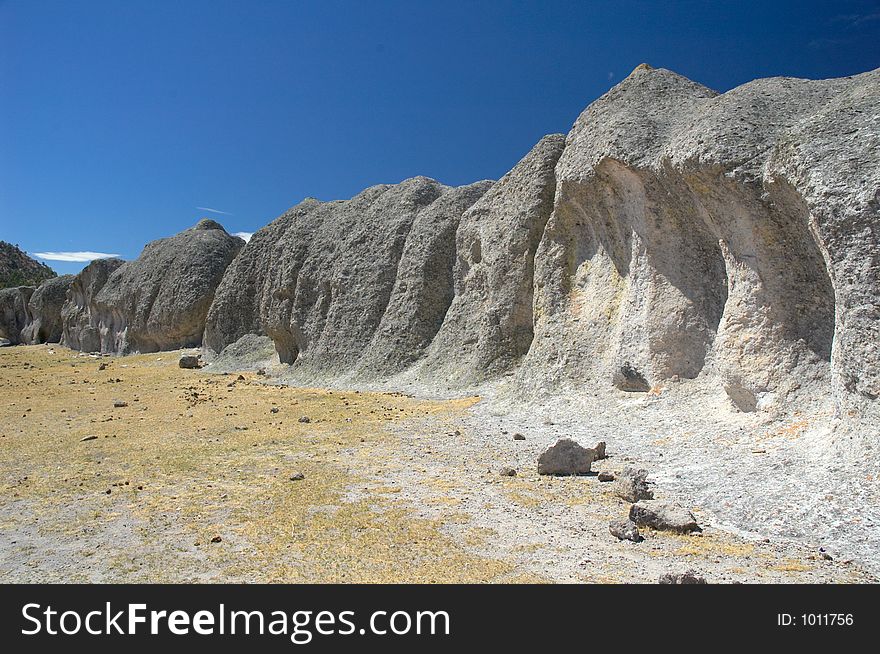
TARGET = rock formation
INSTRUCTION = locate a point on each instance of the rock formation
(674, 234)
(159, 301)
(355, 287)
(732, 237)
(14, 312)
(726, 241)
(44, 308)
(80, 331)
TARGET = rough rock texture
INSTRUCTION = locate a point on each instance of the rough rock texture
(80, 329)
(565, 457)
(14, 312)
(631, 485)
(18, 269)
(45, 310)
(160, 300)
(732, 237)
(356, 287)
(189, 362)
(489, 325)
(625, 530)
(250, 352)
(674, 234)
(663, 516)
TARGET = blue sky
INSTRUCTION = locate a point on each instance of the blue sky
(119, 120)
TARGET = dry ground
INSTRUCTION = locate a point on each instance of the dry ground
(391, 491)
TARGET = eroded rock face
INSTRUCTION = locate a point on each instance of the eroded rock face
(160, 300)
(353, 288)
(80, 330)
(728, 236)
(14, 312)
(673, 234)
(490, 324)
(45, 307)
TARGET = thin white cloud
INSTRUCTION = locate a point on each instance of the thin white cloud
(244, 235)
(225, 213)
(74, 256)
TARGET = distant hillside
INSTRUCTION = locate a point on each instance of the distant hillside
(18, 269)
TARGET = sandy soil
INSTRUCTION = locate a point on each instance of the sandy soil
(395, 489)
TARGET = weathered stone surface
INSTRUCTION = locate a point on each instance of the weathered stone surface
(631, 485)
(14, 312)
(663, 516)
(565, 457)
(489, 325)
(625, 530)
(733, 237)
(160, 300)
(250, 352)
(353, 288)
(80, 329)
(45, 307)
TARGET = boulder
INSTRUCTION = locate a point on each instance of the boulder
(631, 485)
(45, 307)
(160, 300)
(663, 516)
(565, 457)
(625, 530)
(189, 361)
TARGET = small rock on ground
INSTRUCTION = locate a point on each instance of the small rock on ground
(189, 361)
(663, 516)
(625, 530)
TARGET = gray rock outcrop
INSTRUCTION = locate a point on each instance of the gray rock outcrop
(160, 300)
(731, 236)
(45, 307)
(80, 329)
(675, 233)
(352, 288)
(14, 312)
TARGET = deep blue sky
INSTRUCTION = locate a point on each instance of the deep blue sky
(118, 119)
